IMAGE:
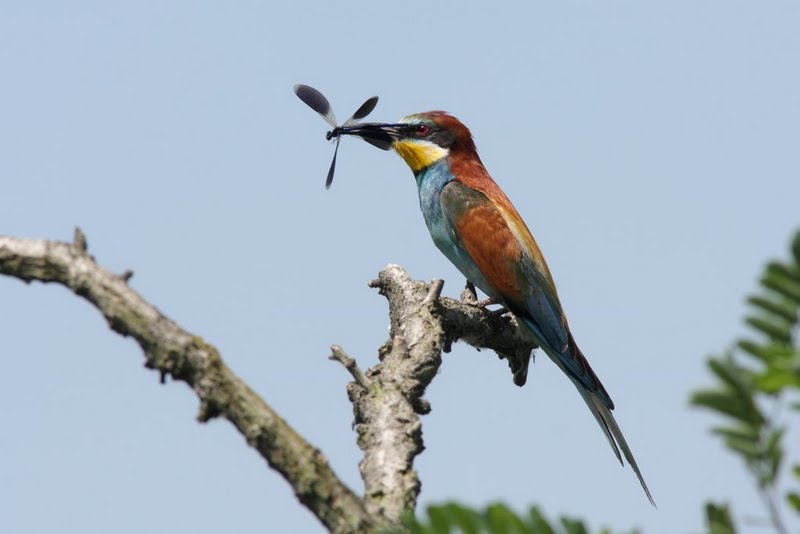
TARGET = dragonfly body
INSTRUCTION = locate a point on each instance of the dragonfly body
(317, 101)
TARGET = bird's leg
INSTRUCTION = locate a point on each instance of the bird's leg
(469, 295)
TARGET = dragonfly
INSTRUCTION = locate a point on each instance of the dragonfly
(317, 101)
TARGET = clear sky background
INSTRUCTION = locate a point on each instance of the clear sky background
(652, 148)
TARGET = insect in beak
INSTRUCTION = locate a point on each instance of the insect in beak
(317, 101)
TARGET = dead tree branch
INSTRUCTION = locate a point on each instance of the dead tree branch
(175, 352)
(387, 399)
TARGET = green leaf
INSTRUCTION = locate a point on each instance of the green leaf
(780, 332)
(718, 519)
(784, 286)
(571, 526)
(780, 309)
(496, 518)
(467, 520)
(769, 353)
(754, 349)
(775, 452)
(501, 520)
(796, 248)
(774, 380)
(736, 377)
(751, 451)
(411, 525)
(783, 270)
(439, 523)
(539, 522)
(726, 403)
(794, 500)
(742, 393)
(741, 432)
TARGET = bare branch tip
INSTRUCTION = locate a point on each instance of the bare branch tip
(376, 283)
(208, 411)
(339, 355)
(126, 276)
(421, 406)
(79, 240)
(435, 291)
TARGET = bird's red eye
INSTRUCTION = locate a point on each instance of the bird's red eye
(422, 129)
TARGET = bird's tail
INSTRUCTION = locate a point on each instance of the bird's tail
(574, 364)
(612, 431)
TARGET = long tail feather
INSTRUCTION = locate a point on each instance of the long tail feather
(613, 433)
(574, 364)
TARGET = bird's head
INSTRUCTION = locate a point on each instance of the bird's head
(421, 139)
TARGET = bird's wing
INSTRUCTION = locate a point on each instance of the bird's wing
(502, 248)
(481, 228)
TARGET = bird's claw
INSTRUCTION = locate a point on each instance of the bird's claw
(487, 302)
(470, 296)
(498, 312)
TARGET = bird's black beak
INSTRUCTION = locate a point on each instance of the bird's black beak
(377, 134)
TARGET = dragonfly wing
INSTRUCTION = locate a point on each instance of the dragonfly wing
(317, 101)
(365, 109)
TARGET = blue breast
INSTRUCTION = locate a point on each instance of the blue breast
(430, 183)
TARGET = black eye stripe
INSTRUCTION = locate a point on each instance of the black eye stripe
(419, 129)
(429, 132)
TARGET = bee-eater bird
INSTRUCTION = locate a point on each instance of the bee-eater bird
(475, 225)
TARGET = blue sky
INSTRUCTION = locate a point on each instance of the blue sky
(651, 148)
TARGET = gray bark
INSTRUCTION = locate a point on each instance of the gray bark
(387, 399)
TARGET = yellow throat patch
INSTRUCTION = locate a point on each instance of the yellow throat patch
(418, 153)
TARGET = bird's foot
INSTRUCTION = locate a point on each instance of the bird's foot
(487, 302)
(470, 296)
(502, 310)
(482, 304)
